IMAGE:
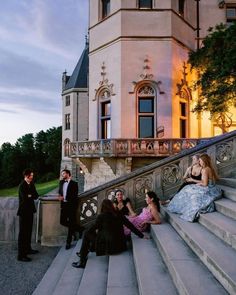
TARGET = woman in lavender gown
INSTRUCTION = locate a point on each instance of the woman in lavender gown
(197, 198)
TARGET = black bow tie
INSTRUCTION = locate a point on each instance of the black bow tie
(66, 181)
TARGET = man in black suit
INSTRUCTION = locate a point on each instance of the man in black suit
(68, 195)
(27, 195)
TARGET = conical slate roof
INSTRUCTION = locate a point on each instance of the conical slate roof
(79, 77)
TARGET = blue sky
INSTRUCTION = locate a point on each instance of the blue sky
(39, 39)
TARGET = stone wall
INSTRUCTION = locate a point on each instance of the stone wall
(9, 221)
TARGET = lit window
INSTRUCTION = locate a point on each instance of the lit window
(145, 3)
(67, 121)
(106, 6)
(67, 100)
(183, 119)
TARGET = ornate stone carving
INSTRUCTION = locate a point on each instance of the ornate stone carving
(88, 208)
(105, 90)
(224, 152)
(184, 90)
(171, 174)
(142, 185)
(146, 75)
(146, 90)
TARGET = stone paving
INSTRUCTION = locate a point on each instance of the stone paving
(21, 278)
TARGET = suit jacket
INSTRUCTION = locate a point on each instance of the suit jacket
(71, 194)
(68, 209)
(26, 203)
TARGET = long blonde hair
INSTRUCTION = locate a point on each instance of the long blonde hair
(207, 161)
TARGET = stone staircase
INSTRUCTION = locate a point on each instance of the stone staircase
(180, 258)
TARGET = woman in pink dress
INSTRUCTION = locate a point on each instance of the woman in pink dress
(149, 214)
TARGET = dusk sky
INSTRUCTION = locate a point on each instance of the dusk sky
(39, 40)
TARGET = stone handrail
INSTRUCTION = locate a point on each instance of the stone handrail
(148, 147)
(164, 176)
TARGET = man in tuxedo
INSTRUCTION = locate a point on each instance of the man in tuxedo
(68, 195)
(27, 195)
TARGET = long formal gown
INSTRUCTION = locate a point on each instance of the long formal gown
(137, 221)
(194, 199)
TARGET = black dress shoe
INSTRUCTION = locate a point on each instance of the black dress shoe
(32, 251)
(79, 264)
(67, 246)
(25, 259)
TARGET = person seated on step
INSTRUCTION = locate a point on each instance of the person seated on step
(106, 235)
(123, 204)
(149, 214)
(197, 198)
(192, 175)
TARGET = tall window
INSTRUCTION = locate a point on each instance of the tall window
(146, 112)
(67, 147)
(145, 3)
(106, 7)
(67, 102)
(67, 121)
(183, 119)
(230, 15)
(181, 7)
(105, 119)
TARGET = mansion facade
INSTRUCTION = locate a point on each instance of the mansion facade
(128, 101)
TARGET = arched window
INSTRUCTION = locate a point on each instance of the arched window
(105, 114)
(146, 106)
(67, 147)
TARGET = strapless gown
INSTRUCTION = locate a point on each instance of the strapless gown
(194, 199)
(137, 221)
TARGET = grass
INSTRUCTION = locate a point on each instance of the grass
(42, 189)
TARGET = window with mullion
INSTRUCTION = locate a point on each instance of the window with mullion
(105, 120)
(146, 117)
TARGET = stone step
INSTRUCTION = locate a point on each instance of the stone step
(219, 258)
(229, 192)
(70, 278)
(94, 279)
(152, 274)
(222, 226)
(226, 207)
(228, 182)
(189, 274)
(53, 274)
(121, 275)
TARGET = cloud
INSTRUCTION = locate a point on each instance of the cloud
(39, 40)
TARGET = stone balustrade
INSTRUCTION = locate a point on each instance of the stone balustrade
(145, 147)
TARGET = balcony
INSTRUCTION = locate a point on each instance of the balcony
(141, 147)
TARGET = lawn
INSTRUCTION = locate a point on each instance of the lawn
(42, 189)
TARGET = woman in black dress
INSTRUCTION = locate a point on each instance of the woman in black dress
(193, 174)
(123, 204)
(106, 236)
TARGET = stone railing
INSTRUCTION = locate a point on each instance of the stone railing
(164, 177)
(132, 147)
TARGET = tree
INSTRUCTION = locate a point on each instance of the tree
(215, 63)
(42, 153)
